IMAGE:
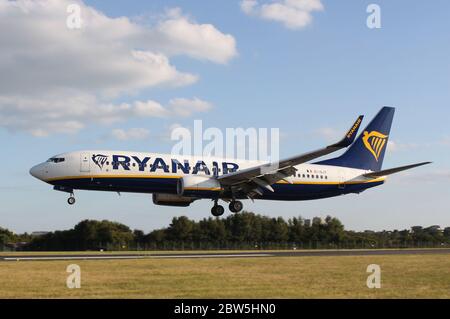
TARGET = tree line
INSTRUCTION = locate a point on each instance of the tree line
(238, 231)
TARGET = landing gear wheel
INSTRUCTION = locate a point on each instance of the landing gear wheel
(71, 200)
(236, 206)
(217, 210)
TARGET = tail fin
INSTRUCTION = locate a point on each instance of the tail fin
(368, 150)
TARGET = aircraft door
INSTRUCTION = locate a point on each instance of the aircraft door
(85, 163)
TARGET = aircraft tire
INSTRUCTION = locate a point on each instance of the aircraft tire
(236, 206)
(71, 200)
(217, 210)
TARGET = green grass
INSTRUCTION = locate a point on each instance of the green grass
(411, 276)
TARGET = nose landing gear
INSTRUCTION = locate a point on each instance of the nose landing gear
(71, 199)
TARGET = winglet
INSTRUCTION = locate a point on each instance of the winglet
(349, 138)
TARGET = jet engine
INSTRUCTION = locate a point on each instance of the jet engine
(172, 200)
(194, 183)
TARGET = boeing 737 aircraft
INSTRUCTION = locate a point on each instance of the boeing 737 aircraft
(179, 181)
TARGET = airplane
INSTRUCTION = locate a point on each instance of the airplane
(181, 180)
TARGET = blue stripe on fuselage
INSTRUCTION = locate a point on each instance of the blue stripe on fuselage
(314, 191)
(128, 184)
(283, 191)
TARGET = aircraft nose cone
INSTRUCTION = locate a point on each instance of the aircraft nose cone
(36, 171)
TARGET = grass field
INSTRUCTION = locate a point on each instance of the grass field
(408, 276)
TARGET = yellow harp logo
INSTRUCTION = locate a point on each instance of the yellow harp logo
(374, 142)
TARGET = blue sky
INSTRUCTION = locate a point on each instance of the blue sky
(311, 82)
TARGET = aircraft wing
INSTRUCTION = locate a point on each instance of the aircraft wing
(393, 170)
(254, 178)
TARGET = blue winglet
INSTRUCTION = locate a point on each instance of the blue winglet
(349, 138)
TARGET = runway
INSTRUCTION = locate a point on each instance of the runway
(199, 255)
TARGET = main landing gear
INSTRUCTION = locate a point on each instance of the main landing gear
(71, 199)
(218, 210)
(236, 206)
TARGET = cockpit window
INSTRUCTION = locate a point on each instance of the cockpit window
(56, 160)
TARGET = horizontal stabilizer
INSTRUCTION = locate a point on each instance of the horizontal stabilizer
(393, 170)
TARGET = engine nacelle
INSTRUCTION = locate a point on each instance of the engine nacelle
(188, 184)
(172, 200)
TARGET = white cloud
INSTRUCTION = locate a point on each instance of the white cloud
(106, 55)
(150, 109)
(395, 146)
(179, 35)
(249, 6)
(185, 107)
(57, 80)
(328, 133)
(131, 134)
(65, 114)
(294, 14)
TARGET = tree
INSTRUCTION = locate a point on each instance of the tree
(243, 227)
(244, 230)
(296, 229)
(279, 230)
(447, 233)
(334, 230)
(211, 229)
(6, 237)
(157, 236)
(139, 237)
(86, 235)
(180, 229)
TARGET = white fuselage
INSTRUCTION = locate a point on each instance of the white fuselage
(152, 173)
